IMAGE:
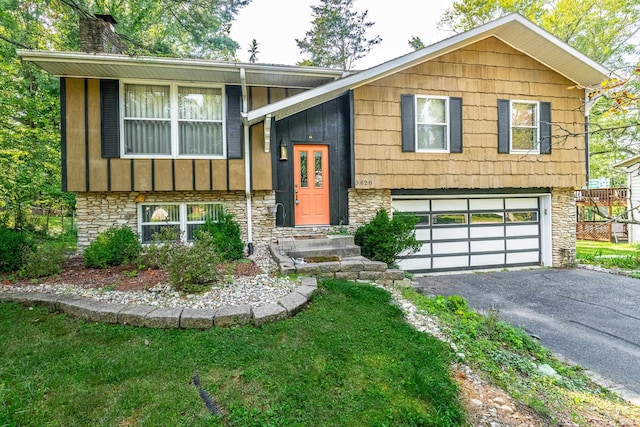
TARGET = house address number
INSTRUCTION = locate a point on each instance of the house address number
(364, 181)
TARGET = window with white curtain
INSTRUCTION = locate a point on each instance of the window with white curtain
(184, 218)
(172, 120)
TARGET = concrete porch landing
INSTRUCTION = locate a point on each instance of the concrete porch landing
(333, 256)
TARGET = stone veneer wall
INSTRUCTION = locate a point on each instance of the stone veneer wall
(563, 235)
(99, 211)
(363, 205)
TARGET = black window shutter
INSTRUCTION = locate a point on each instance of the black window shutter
(545, 128)
(503, 125)
(455, 125)
(234, 122)
(408, 117)
(110, 118)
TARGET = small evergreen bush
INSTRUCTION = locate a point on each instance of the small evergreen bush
(193, 269)
(46, 260)
(225, 235)
(157, 254)
(116, 246)
(383, 239)
(14, 244)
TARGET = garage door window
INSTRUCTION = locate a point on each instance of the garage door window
(531, 216)
(448, 219)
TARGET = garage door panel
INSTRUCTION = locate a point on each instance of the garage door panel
(423, 234)
(485, 204)
(425, 249)
(481, 232)
(487, 245)
(449, 205)
(522, 230)
(411, 205)
(489, 259)
(518, 244)
(523, 257)
(451, 262)
(451, 247)
(450, 233)
(413, 264)
(521, 203)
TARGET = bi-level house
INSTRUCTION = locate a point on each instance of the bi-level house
(481, 135)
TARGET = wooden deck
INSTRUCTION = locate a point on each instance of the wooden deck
(590, 226)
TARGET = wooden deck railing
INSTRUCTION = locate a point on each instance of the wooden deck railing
(602, 231)
(602, 196)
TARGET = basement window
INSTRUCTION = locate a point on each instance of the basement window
(184, 218)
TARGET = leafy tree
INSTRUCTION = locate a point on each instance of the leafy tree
(416, 43)
(338, 36)
(601, 29)
(253, 50)
(30, 165)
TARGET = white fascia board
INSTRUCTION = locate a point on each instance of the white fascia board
(627, 162)
(325, 92)
(44, 56)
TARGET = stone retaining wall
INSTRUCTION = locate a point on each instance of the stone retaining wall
(169, 317)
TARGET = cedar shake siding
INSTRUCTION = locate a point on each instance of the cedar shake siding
(92, 160)
(482, 75)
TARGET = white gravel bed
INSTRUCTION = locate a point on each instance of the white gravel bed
(252, 290)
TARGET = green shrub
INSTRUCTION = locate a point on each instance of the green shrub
(14, 244)
(193, 269)
(383, 239)
(116, 246)
(46, 260)
(225, 234)
(158, 252)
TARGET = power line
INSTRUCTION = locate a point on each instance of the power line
(13, 42)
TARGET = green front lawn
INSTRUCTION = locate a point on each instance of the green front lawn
(348, 359)
(608, 255)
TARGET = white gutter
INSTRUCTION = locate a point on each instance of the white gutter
(247, 162)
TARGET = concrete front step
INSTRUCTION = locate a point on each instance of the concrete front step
(342, 252)
(318, 241)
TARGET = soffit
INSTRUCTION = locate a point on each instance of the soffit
(108, 66)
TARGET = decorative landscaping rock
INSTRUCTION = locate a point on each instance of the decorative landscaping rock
(134, 315)
(163, 318)
(268, 313)
(169, 317)
(232, 315)
(293, 302)
(197, 318)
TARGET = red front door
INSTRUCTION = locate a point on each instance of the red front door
(311, 184)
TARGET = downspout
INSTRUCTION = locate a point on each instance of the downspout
(587, 109)
(247, 161)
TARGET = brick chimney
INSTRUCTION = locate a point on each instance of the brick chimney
(97, 35)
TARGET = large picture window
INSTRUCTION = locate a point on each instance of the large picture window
(184, 218)
(172, 120)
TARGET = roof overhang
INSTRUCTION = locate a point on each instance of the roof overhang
(513, 30)
(627, 162)
(112, 66)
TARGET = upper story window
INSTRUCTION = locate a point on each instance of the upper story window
(432, 123)
(525, 123)
(524, 127)
(172, 120)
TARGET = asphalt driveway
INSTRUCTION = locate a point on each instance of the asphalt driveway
(591, 318)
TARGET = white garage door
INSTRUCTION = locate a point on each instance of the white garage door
(473, 233)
